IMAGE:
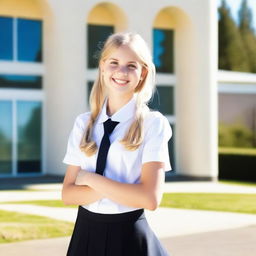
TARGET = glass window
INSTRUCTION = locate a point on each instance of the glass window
(29, 40)
(237, 120)
(163, 100)
(97, 34)
(5, 137)
(20, 81)
(6, 38)
(29, 118)
(163, 52)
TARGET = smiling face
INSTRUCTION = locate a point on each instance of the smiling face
(122, 72)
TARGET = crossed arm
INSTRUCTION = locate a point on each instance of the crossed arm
(83, 187)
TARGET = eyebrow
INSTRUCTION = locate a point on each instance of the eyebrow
(134, 62)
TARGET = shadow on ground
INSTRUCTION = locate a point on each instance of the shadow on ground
(19, 183)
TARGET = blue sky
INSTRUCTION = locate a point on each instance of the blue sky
(234, 7)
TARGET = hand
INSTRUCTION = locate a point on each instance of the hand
(82, 177)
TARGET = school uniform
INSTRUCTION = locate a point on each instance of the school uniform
(105, 227)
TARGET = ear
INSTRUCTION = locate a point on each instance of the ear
(141, 83)
(144, 73)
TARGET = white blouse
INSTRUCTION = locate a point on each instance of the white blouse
(122, 165)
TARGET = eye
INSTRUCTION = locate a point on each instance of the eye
(132, 66)
(113, 62)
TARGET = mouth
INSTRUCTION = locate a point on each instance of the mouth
(120, 81)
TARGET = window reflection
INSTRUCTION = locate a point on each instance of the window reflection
(6, 38)
(97, 34)
(163, 53)
(29, 136)
(29, 40)
(20, 81)
(5, 137)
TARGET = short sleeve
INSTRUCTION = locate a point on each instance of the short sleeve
(72, 156)
(157, 134)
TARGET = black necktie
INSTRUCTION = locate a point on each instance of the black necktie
(109, 126)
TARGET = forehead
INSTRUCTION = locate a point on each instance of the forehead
(124, 53)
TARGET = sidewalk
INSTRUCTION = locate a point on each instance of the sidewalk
(183, 232)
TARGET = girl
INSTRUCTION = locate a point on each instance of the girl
(117, 155)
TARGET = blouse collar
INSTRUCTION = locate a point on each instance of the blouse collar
(122, 115)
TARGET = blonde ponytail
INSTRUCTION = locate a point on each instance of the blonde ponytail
(135, 134)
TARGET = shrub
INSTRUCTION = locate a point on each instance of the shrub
(235, 135)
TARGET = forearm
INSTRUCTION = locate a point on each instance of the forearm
(79, 195)
(133, 195)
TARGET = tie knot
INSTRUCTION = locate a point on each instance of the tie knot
(109, 126)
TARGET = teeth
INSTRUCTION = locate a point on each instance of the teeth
(120, 81)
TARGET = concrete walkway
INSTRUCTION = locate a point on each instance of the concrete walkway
(183, 232)
(166, 222)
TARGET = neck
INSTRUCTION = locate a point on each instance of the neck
(116, 103)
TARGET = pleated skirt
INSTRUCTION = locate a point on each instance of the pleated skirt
(122, 234)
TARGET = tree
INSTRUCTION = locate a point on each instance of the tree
(232, 54)
(247, 34)
(245, 17)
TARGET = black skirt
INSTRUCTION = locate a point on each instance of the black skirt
(122, 234)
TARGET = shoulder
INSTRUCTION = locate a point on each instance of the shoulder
(155, 118)
(82, 120)
(155, 123)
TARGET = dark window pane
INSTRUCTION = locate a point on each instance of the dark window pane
(163, 50)
(163, 100)
(5, 137)
(97, 34)
(29, 118)
(29, 40)
(6, 38)
(21, 82)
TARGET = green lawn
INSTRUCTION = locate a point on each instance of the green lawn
(241, 203)
(235, 151)
(239, 183)
(16, 227)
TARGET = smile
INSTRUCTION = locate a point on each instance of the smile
(120, 81)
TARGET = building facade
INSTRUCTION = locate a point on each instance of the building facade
(48, 60)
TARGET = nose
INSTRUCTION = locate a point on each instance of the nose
(122, 70)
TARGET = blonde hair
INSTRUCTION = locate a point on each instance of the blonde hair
(144, 91)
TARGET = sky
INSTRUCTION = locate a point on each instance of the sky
(234, 7)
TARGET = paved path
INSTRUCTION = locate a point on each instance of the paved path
(232, 242)
(235, 242)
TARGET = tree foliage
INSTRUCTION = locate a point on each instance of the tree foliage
(247, 34)
(237, 43)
